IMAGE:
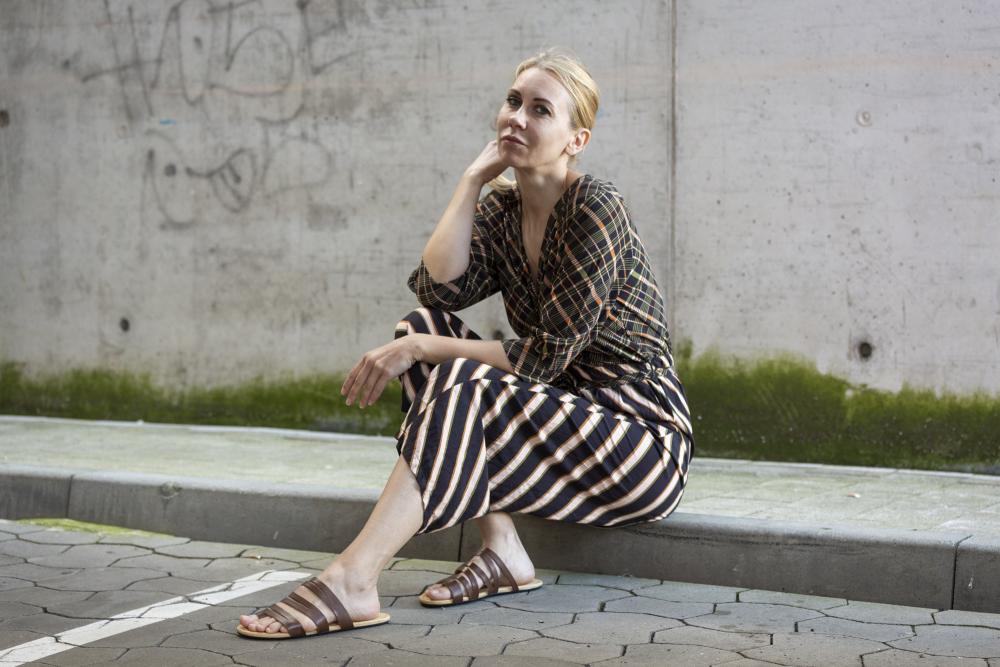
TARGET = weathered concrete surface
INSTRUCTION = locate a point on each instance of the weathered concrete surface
(212, 192)
(298, 516)
(882, 565)
(741, 524)
(821, 494)
(572, 619)
(31, 491)
(977, 573)
(249, 186)
(835, 185)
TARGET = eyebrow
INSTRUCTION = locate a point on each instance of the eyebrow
(537, 99)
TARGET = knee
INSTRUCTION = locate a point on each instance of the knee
(420, 320)
(454, 371)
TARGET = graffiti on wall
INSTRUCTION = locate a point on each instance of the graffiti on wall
(216, 91)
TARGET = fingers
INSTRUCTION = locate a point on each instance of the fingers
(360, 375)
(356, 379)
(368, 376)
(377, 388)
(352, 377)
(344, 388)
(376, 378)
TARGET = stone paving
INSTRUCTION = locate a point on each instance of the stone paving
(54, 580)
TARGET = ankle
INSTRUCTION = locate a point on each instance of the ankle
(507, 544)
(354, 580)
(504, 539)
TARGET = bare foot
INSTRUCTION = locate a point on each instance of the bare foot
(361, 602)
(513, 556)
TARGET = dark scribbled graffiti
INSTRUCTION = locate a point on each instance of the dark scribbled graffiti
(216, 90)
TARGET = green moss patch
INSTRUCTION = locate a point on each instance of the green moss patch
(777, 409)
(783, 409)
(85, 527)
(303, 403)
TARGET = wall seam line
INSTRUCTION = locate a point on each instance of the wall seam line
(954, 569)
(672, 185)
(69, 495)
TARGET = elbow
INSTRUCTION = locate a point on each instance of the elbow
(447, 269)
(433, 300)
(549, 370)
(544, 357)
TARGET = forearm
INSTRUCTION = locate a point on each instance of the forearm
(435, 349)
(446, 254)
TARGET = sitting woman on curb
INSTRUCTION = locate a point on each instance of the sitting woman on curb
(581, 419)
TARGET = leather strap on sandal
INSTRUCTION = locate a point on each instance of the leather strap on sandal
(494, 560)
(309, 610)
(469, 579)
(293, 627)
(340, 614)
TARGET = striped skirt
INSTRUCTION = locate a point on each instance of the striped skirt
(479, 440)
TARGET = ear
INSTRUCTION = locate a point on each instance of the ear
(578, 142)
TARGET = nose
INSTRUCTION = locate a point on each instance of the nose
(518, 118)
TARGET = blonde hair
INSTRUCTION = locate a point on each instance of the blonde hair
(570, 72)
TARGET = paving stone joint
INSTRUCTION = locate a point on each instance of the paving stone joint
(576, 618)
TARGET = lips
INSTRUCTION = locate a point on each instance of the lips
(512, 139)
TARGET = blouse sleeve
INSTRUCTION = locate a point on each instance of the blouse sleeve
(594, 240)
(479, 280)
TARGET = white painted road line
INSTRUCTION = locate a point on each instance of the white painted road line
(143, 616)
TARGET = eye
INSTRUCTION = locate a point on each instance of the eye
(542, 110)
(513, 100)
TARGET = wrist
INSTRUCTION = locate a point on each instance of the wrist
(474, 179)
(418, 348)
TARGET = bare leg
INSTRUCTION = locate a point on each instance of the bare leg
(352, 576)
(499, 534)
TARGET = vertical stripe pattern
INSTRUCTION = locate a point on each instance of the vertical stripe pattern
(479, 439)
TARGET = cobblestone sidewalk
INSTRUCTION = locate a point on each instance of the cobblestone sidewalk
(53, 580)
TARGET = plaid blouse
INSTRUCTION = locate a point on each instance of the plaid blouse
(594, 315)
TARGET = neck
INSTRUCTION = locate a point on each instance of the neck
(541, 190)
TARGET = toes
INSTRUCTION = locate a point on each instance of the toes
(250, 622)
(437, 592)
(260, 624)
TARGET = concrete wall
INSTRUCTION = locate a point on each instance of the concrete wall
(250, 187)
(837, 167)
(213, 191)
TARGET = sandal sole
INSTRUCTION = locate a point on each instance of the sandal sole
(483, 593)
(246, 632)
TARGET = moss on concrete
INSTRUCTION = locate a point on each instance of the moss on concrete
(86, 527)
(783, 409)
(778, 409)
(305, 403)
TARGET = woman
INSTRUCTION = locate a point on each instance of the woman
(582, 418)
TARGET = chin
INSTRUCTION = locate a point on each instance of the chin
(512, 162)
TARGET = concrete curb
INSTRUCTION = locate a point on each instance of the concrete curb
(943, 570)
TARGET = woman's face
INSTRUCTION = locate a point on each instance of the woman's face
(534, 127)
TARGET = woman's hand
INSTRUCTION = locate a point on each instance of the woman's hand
(377, 368)
(488, 165)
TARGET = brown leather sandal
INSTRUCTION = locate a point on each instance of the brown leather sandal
(341, 619)
(470, 583)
